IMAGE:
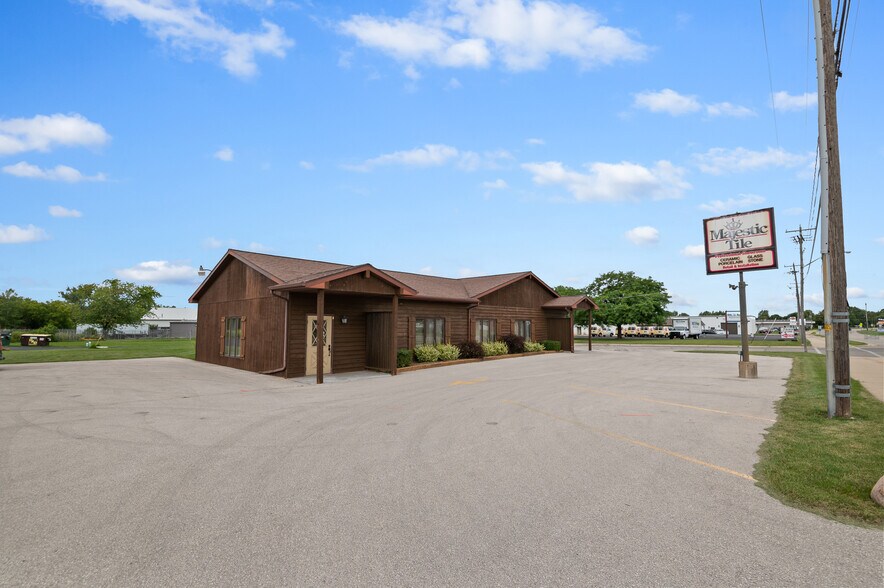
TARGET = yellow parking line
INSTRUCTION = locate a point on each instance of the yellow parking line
(468, 382)
(619, 437)
(678, 404)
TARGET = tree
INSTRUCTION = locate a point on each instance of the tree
(763, 315)
(713, 313)
(111, 304)
(10, 309)
(624, 298)
(581, 317)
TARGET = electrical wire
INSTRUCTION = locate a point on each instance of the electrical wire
(769, 74)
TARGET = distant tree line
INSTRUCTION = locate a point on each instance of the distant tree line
(857, 316)
(108, 305)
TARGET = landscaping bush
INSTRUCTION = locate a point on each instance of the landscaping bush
(426, 353)
(404, 357)
(496, 348)
(531, 347)
(514, 343)
(552, 345)
(448, 352)
(471, 350)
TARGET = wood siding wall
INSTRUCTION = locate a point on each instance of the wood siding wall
(526, 293)
(560, 330)
(240, 291)
(378, 330)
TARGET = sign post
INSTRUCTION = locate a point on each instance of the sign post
(741, 242)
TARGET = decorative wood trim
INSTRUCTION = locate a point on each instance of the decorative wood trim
(242, 337)
(223, 328)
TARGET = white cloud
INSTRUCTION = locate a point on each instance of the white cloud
(643, 235)
(453, 84)
(694, 251)
(411, 72)
(854, 292)
(535, 141)
(785, 101)
(742, 201)
(181, 24)
(794, 211)
(44, 133)
(259, 247)
(308, 165)
(224, 154)
(62, 212)
(59, 173)
(212, 243)
(474, 33)
(435, 155)
(728, 109)
(719, 160)
(497, 184)
(815, 298)
(668, 101)
(159, 272)
(466, 272)
(675, 104)
(613, 182)
(427, 269)
(679, 300)
(880, 240)
(16, 234)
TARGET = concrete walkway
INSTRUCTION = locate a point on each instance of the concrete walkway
(868, 370)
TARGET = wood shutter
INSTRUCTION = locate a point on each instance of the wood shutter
(242, 337)
(223, 327)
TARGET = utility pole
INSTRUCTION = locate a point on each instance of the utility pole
(832, 249)
(799, 239)
(800, 316)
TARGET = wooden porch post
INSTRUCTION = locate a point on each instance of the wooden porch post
(589, 326)
(394, 318)
(571, 321)
(320, 342)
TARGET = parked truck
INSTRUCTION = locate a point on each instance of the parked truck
(686, 327)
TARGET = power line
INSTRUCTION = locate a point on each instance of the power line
(769, 74)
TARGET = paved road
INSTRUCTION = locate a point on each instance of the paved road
(623, 467)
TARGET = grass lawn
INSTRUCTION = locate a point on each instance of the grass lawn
(826, 466)
(871, 332)
(733, 342)
(116, 349)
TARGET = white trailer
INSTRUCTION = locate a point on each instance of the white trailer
(686, 327)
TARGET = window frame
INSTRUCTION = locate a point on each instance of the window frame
(421, 331)
(479, 333)
(523, 328)
(233, 336)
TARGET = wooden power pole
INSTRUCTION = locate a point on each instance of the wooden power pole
(834, 270)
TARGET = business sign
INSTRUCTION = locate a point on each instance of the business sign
(740, 242)
(732, 316)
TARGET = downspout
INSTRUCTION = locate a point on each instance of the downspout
(470, 320)
(285, 336)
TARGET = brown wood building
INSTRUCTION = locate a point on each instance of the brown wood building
(262, 313)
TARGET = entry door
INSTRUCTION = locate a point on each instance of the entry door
(312, 333)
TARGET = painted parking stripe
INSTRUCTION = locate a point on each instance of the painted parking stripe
(630, 440)
(678, 404)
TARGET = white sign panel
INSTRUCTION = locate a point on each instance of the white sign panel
(740, 242)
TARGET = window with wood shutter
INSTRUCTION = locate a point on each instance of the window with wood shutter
(523, 329)
(233, 336)
(486, 330)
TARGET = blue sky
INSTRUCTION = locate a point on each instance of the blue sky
(141, 138)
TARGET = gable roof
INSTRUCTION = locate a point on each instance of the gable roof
(572, 302)
(289, 273)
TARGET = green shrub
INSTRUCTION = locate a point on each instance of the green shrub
(532, 347)
(448, 352)
(15, 337)
(90, 332)
(471, 350)
(426, 353)
(47, 329)
(496, 348)
(552, 345)
(514, 343)
(404, 357)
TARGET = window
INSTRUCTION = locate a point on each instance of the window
(233, 335)
(429, 331)
(486, 330)
(523, 329)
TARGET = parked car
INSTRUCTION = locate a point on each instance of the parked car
(645, 331)
(709, 331)
(630, 331)
(719, 332)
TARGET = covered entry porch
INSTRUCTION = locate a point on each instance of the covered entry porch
(342, 321)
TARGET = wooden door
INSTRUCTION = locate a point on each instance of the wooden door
(326, 347)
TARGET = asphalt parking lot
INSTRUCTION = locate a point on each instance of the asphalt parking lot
(620, 467)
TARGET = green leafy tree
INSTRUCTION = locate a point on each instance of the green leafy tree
(111, 304)
(624, 297)
(10, 309)
(763, 315)
(581, 317)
